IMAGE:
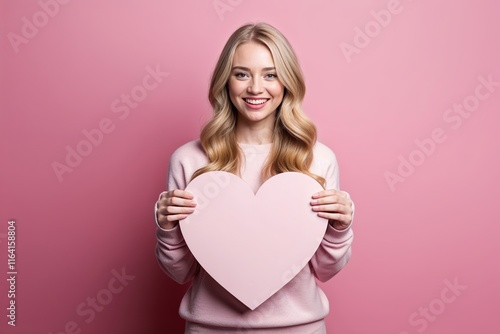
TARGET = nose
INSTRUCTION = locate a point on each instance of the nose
(255, 87)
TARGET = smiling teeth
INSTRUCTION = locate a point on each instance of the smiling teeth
(256, 101)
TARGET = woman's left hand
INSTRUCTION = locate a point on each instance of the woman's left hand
(334, 205)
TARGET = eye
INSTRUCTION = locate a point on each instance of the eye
(271, 76)
(241, 75)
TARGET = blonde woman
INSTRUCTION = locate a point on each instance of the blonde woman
(258, 130)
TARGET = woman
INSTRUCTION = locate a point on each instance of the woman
(257, 130)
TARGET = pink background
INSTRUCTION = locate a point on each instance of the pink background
(438, 227)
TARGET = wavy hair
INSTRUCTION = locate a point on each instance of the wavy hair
(294, 134)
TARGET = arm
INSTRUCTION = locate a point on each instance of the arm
(335, 249)
(172, 253)
(333, 253)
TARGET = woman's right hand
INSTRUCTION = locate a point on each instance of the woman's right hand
(174, 205)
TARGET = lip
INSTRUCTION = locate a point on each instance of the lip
(255, 106)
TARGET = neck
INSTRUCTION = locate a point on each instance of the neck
(256, 134)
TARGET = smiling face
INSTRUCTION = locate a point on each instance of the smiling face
(254, 88)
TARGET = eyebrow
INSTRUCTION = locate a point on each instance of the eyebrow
(272, 68)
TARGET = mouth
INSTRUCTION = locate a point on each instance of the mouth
(255, 103)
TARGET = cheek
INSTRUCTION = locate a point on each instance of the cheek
(234, 89)
(277, 91)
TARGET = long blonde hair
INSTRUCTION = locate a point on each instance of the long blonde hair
(294, 134)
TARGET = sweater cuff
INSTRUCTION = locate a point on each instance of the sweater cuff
(171, 236)
(338, 236)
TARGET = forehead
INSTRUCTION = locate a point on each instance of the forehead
(253, 54)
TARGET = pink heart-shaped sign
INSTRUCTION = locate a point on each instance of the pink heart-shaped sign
(253, 244)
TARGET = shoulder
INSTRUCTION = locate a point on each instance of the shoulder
(184, 162)
(325, 164)
(323, 155)
(189, 152)
(188, 158)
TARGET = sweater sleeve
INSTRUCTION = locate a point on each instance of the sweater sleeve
(172, 253)
(335, 249)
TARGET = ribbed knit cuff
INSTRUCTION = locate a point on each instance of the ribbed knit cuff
(172, 236)
(338, 236)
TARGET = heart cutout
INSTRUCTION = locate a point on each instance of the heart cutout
(253, 244)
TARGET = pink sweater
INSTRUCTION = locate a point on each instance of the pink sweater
(299, 307)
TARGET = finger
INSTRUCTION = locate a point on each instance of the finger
(173, 210)
(176, 193)
(332, 199)
(323, 193)
(182, 194)
(330, 192)
(332, 208)
(178, 201)
(327, 200)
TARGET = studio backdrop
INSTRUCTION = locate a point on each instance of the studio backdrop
(96, 95)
